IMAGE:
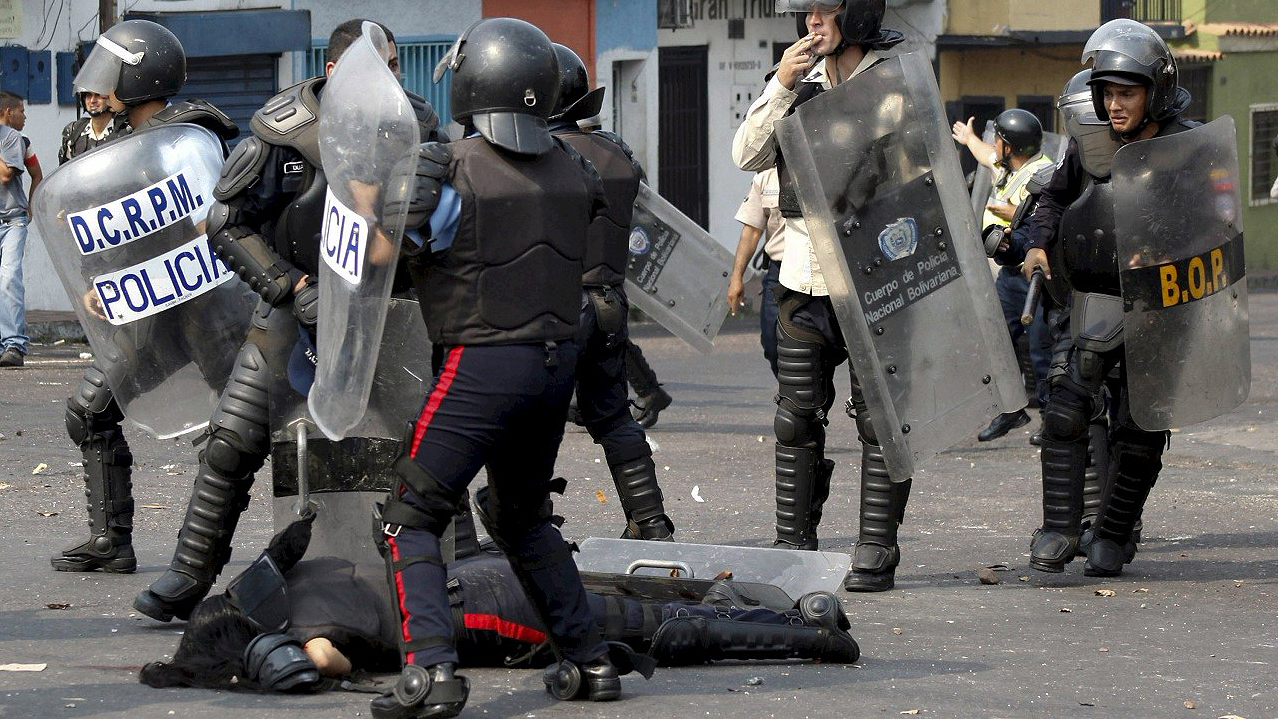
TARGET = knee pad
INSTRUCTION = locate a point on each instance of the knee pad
(509, 522)
(797, 427)
(228, 455)
(1066, 416)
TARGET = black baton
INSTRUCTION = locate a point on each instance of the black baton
(1032, 298)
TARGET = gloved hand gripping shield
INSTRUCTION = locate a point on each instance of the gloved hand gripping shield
(1183, 278)
(125, 228)
(879, 182)
(368, 141)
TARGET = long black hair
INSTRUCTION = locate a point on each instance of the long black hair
(211, 653)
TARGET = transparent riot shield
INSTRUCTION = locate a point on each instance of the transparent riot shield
(983, 178)
(1181, 268)
(368, 135)
(879, 182)
(1054, 146)
(795, 573)
(342, 480)
(125, 229)
(677, 273)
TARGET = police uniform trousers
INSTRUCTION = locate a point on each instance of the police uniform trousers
(604, 404)
(810, 346)
(501, 408)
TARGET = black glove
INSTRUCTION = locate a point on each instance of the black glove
(420, 190)
(306, 303)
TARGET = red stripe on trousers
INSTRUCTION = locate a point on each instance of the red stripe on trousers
(509, 630)
(446, 377)
(399, 593)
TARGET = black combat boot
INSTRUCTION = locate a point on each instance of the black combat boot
(818, 629)
(596, 680)
(108, 470)
(798, 470)
(1137, 467)
(434, 692)
(1055, 544)
(882, 511)
(204, 546)
(641, 499)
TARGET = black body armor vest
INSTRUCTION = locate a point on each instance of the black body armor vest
(513, 273)
(289, 124)
(608, 243)
(787, 196)
(1089, 247)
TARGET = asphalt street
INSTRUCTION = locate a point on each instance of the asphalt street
(1188, 631)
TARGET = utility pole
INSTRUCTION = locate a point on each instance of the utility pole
(106, 14)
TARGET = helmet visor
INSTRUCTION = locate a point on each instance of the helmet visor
(100, 73)
(806, 6)
(1126, 37)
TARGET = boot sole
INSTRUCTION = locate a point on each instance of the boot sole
(869, 583)
(1049, 567)
(1092, 571)
(155, 608)
(110, 566)
(605, 691)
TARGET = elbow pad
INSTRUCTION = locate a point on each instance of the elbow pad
(248, 256)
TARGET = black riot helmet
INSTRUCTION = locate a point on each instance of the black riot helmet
(505, 83)
(576, 100)
(1021, 132)
(138, 60)
(1126, 52)
(860, 21)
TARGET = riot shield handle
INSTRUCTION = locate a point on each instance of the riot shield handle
(660, 564)
(1032, 298)
(303, 506)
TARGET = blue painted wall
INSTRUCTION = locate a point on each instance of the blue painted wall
(625, 25)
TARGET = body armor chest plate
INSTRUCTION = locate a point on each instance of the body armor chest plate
(1087, 241)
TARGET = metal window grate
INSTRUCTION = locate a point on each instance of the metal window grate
(417, 63)
(1264, 128)
(1142, 10)
(1197, 80)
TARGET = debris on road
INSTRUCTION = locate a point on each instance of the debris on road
(23, 667)
(696, 493)
(39, 468)
(58, 605)
(1105, 593)
(987, 576)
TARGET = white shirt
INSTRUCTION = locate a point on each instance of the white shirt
(754, 148)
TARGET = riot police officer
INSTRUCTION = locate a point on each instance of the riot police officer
(602, 335)
(500, 286)
(839, 40)
(156, 71)
(1016, 158)
(1134, 89)
(101, 123)
(264, 225)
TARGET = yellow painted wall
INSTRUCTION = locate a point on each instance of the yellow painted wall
(997, 17)
(1007, 72)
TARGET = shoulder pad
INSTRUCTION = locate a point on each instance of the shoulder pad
(197, 112)
(242, 169)
(614, 137)
(291, 119)
(1040, 179)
